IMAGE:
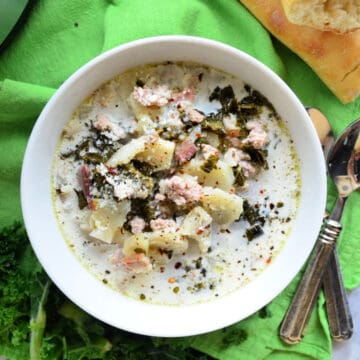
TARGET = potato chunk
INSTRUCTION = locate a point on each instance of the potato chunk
(159, 154)
(126, 153)
(224, 208)
(136, 244)
(221, 177)
(166, 240)
(197, 226)
(105, 221)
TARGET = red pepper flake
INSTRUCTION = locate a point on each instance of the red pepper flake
(162, 269)
(113, 170)
(177, 265)
(198, 135)
(271, 206)
(268, 260)
(262, 191)
(199, 231)
(228, 231)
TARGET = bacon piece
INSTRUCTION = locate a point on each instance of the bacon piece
(137, 225)
(195, 116)
(104, 123)
(181, 190)
(163, 224)
(208, 150)
(248, 169)
(185, 151)
(184, 98)
(86, 183)
(257, 137)
(152, 96)
(137, 263)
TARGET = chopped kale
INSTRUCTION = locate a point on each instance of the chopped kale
(251, 214)
(227, 99)
(251, 105)
(214, 122)
(140, 83)
(81, 199)
(239, 176)
(258, 156)
(143, 167)
(253, 232)
(92, 158)
(210, 163)
(142, 208)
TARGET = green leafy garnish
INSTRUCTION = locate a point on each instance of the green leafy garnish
(210, 163)
(81, 199)
(253, 232)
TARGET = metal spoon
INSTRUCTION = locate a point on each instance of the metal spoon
(344, 168)
(337, 306)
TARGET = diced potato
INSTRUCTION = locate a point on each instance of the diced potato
(197, 226)
(105, 221)
(165, 240)
(221, 177)
(212, 138)
(120, 236)
(136, 107)
(145, 125)
(136, 244)
(126, 153)
(159, 154)
(224, 208)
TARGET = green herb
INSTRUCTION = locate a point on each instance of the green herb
(81, 199)
(253, 232)
(258, 156)
(251, 214)
(214, 122)
(227, 99)
(210, 163)
(239, 176)
(143, 167)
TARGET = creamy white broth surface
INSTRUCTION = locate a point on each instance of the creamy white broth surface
(157, 101)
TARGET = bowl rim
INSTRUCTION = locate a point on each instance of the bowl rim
(179, 312)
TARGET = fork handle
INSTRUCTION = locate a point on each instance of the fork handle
(306, 295)
(337, 306)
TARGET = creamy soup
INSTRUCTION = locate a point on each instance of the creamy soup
(175, 183)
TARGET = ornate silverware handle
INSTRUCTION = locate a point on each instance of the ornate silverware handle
(306, 295)
(337, 306)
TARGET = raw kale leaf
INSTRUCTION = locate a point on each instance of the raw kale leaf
(38, 322)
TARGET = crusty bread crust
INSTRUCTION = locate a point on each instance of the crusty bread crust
(340, 16)
(334, 57)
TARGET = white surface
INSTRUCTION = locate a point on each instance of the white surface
(350, 350)
(90, 293)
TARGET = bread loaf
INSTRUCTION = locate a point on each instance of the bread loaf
(334, 57)
(339, 16)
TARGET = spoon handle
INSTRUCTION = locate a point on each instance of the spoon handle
(337, 306)
(306, 295)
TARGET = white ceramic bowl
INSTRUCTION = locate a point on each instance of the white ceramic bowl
(88, 292)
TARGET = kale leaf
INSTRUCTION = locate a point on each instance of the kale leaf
(38, 322)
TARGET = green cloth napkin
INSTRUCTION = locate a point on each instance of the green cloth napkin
(60, 36)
